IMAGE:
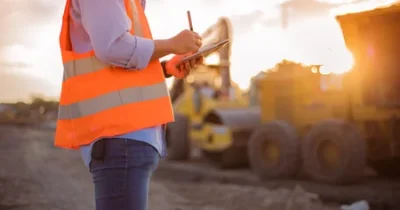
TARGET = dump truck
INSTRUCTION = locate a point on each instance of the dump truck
(332, 133)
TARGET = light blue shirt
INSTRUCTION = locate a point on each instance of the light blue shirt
(103, 25)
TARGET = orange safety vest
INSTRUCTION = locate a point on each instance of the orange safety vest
(100, 100)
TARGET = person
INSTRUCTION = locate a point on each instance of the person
(114, 101)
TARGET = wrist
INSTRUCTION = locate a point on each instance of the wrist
(165, 71)
(164, 45)
(171, 43)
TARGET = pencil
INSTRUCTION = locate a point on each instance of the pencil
(189, 20)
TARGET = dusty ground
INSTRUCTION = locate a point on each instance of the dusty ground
(34, 175)
(381, 194)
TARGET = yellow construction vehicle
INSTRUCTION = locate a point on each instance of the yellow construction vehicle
(333, 133)
(204, 103)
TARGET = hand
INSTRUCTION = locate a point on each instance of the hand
(189, 65)
(186, 42)
(182, 70)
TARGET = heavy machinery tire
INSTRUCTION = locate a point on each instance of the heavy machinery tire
(178, 143)
(274, 151)
(233, 157)
(345, 146)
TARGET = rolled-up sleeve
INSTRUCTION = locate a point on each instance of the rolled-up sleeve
(108, 27)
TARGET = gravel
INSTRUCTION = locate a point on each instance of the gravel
(35, 175)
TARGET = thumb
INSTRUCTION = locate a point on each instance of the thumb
(176, 60)
(172, 68)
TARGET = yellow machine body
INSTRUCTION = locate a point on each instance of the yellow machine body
(373, 84)
(292, 92)
(194, 105)
(342, 120)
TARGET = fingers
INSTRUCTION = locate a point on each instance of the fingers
(192, 63)
(186, 42)
(196, 45)
(184, 71)
(187, 66)
(199, 60)
(199, 42)
(196, 35)
(197, 39)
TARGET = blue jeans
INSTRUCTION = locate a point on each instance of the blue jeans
(122, 179)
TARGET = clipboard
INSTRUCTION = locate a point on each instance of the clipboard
(206, 50)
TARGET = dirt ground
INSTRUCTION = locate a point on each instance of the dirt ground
(34, 175)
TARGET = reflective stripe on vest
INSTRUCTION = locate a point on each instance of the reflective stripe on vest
(111, 100)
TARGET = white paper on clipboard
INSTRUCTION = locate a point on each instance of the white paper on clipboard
(206, 50)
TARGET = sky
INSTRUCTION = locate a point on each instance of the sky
(30, 61)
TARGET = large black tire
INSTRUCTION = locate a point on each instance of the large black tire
(283, 138)
(345, 141)
(234, 157)
(178, 143)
